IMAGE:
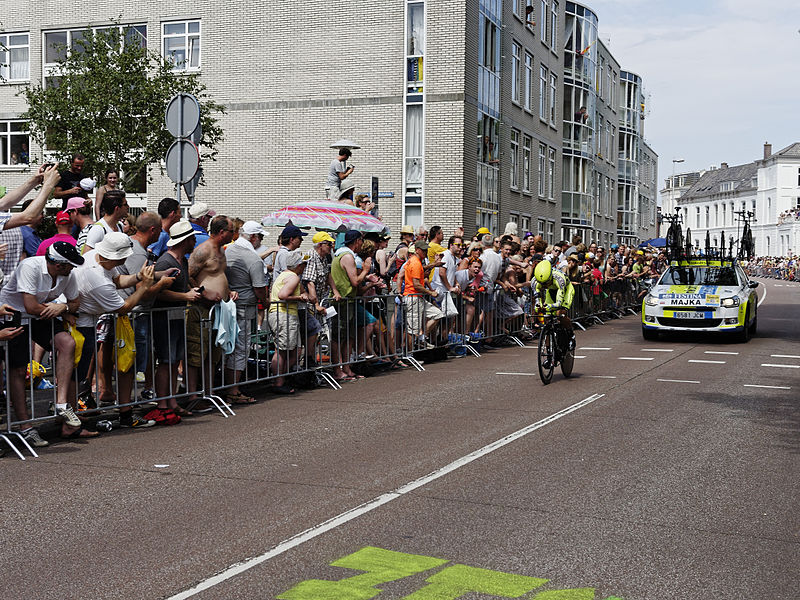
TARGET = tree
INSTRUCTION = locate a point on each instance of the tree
(106, 100)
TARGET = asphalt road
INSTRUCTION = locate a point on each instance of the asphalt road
(670, 476)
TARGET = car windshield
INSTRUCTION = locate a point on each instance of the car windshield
(700, 276)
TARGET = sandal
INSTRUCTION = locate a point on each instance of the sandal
(346, 378)
(80, 433)
(240, 398)
(181, 412)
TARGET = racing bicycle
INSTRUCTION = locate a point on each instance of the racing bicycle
(556, 346)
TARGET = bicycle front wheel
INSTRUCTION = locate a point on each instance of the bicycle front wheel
(546, 355)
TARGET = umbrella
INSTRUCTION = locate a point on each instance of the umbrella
(655, 243)
(345, 143)
(324, 214)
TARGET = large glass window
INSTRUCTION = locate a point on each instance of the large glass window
(181, 44)
(552, 99)
(14, 57)
(14, 143)
(513, 162)
(515, 72)
(528, 91)
(543, 93)
(551, 174)
(543, 21)
(542, 170)
(553, 25)
(415, 46)
(415, 143)
(526, 163)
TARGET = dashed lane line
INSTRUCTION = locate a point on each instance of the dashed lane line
(720, 352)
(635, 358)
(600, 376)
(370, 505)
(784, 356)
(587, 348)
(657, 350)
(678, 380)
(780, 366)
(768, 387)
(708, 362)
(528, 374)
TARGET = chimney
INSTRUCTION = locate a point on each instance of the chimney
(723, 165)
(767, 150)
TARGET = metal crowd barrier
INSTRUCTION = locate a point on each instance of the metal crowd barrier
(387, 330)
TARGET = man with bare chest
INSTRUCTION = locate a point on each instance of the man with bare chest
(207, 273)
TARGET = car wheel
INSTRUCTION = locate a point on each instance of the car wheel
(649, 334)
(754, 324)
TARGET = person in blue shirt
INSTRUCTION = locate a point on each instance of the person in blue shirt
(169, 210)
(30, 240)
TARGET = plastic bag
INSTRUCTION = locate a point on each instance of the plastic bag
(79, 339)
(126, 344)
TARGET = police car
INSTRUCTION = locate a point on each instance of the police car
(701, 295)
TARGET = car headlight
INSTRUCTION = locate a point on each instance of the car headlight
(650, 300)
(730, 302)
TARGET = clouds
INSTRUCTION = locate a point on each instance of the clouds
(722, 74)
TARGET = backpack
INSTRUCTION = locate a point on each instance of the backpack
(163, 416)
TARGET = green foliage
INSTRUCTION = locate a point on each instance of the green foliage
(108, 102)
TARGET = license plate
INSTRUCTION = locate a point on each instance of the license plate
(688, 315)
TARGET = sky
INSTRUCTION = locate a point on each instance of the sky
(720, 77)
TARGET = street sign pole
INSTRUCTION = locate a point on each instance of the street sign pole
(182, 120)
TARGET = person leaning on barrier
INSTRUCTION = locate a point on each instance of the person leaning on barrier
(31, 290)
(285, 295)
(98, 281)
(169, 313)
(422, 317)
(207, 271)
(347, 280)
(319, 284)
(245, 273)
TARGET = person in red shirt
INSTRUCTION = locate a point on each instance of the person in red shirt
(63, 226)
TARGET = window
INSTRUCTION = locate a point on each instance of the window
(541, 225)
(14, 140)
(525, 224)
(553, 25)
(551, 174)
(726, 186)
(526, 164)
(415, 47)
(708, 216)
(798, 176)
(514, 159)
(698, 219)
(518, 8)
(552, 103)
(551, 228)
(543, 93)
(543, 20)
(181, 44)
(528, 91)
(542, 170)
(515, 72)
(14, 53)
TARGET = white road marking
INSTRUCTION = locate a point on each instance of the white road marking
(769, 387)
(600, 376)
(587, 348)
(657, 350)
(780, 366)
(635, 358)
(678, 380)
(708, 362)
(777, 285)
(719, 352)
(515, 374)
(370, 505)
(784, 356)
(578, 356)
(764, 297)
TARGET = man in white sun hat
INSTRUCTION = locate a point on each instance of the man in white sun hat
(98, 281)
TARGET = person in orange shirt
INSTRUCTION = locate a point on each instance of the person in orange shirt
(422, 317)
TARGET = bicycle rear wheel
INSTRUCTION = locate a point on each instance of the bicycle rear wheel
(568, 361)
(546, 355)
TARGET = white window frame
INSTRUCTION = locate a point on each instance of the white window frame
(543, 21)
(553, 25)
(551, 174)
(527, 144)
(516, 52)
(541, 227)
(529, 63)
(542, 170)
(5, 56)
(188, 37)
(514, 160)
(552, 99)
(543, 93)
(5, 140)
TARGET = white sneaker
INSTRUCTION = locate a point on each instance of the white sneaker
(69, 416)
(34, 439)
(139, 377)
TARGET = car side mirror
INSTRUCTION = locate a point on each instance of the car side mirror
(752, 284)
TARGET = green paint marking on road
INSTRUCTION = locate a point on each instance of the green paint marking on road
(384, 566)
(381, 566)
(453, 582)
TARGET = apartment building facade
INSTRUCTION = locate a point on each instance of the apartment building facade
(460, 108)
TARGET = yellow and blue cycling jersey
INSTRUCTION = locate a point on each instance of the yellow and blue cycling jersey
(558, 293)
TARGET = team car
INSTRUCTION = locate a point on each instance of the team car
(702, 295)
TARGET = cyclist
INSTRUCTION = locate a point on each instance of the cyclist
(555, 293)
